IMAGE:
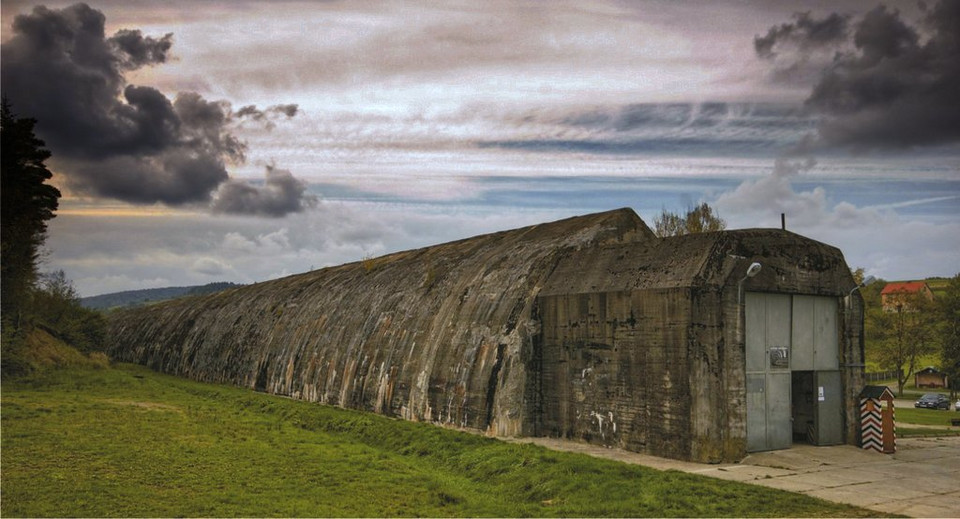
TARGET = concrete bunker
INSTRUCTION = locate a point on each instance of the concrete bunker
(588, 328)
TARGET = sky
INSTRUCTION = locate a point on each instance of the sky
(243, 141)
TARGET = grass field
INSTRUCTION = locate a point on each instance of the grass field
(935, 422)
(126, 441)
(925, 416)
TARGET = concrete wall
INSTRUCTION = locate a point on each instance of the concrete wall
(852, 364)
(587, 328)
(645, 370)
(441, 334)
(717, 381)
(649, 337)
(615, 369)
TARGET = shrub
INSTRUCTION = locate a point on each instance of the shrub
(56, 308)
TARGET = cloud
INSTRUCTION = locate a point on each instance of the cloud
(280, 195)
(805, 35)
(879, 239)
(710, 128)
(887, 84)
(266, 115)
(252, 111)
(235, 241)
(890, 84)
(135, 50)
(662, 145)
(210, 267)
(61, 69)
(170, 177)
(104, 252)
(763, 200)
(798, 51)
(110, 138)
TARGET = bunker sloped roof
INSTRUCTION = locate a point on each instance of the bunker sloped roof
(427, 334)
(704, 259)
(443, 333)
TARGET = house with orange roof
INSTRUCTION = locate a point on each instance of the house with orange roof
(896, 295)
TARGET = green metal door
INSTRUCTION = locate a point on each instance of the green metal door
(815, 347)
(767, 337)
(829, 408)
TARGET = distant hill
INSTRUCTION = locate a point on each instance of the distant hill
(150, 295)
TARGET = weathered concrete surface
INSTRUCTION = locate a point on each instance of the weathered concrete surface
(587, 328)
(642, 347)
(921, 480)
(441, 334)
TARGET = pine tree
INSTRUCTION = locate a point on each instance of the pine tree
(26, 203)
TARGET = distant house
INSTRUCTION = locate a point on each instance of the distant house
(896, 295)
(931, 377)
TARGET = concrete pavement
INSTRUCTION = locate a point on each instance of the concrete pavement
(921, 480)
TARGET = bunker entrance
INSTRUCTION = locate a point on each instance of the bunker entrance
(792, 371)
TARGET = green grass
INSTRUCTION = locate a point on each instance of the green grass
(915, 432)
(129, 442)
(925, 416)
(938, 286)
(929, 417)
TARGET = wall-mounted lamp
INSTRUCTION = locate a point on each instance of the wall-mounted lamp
(867, 281)
(751, 271)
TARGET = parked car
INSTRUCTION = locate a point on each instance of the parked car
(933, 401)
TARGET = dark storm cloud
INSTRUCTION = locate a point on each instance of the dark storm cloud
(897, 85)
(256, 114)
(804, 34)
(110, 138)
(61, 69)
(170, 177)
(799, 50)
(280, 195)
(204, 126)
(289, 110)
(136, 50)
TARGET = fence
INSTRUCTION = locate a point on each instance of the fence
(881, 375)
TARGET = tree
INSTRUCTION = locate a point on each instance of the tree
(26, 203)
(858, 275)
(701, 218)
(56, 307)
(900, 337)
(54, 298)
(948, 305)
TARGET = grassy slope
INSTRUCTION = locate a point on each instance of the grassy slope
(44, 350)
(130, 442)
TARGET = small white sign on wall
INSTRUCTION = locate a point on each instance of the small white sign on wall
(820, 396)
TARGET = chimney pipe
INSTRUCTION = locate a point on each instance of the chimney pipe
(783, 221)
